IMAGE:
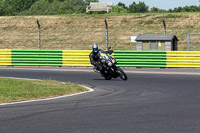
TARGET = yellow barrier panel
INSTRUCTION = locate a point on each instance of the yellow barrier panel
(183, 55)
(184, 66)
(77, 51)
(5, 57)
(183, 52)
(183, 59)
(78, 65)
(76, 58)
(5, 50)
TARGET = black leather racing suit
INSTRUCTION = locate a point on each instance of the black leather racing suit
(95, 61)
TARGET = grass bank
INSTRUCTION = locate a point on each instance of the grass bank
(19, 89)
(81, 31)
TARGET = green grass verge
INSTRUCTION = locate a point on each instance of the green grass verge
(19, 89)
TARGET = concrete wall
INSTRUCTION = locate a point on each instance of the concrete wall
(139, 46)
(164, 46)
(168, 46)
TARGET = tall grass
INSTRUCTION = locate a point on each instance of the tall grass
(81, 30)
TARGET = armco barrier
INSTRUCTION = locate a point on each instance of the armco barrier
(21, 57)
(76, 58)
(125, 58)
(128, 58)
(36, 57)
(183, 59)
(5, 57)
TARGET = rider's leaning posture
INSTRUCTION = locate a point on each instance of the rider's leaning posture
(105, 64)
(94, 58)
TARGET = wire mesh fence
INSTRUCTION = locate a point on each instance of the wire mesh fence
(193, 41)
(63, 38)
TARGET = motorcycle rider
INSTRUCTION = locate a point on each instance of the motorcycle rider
(94, 58)
(104, 64)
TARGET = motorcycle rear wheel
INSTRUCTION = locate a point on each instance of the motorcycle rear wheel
(122, 74)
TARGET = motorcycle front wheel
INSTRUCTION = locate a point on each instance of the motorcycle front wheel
(121, 73)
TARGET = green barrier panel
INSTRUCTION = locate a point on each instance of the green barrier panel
(163, 66)
(36, 59)
(143, 63)
(21, 57)
(133, 60)
(129, 58)
(34, 64)
(125, 58)
(50, 57)
(138, 57)
(36, 51)
(139, 52)
(36, 56)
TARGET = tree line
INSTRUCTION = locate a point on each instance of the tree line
(141, 7)
(42, 7)
(58, 7)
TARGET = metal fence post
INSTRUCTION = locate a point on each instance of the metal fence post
(106, 34)
(164, 26)
(188, 42)
(38, 34)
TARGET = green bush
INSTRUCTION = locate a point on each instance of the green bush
(119, 9)
(2, 8)
(40, 7)
(58, 7)
(138, 8)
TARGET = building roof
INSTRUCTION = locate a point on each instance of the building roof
(156, 37)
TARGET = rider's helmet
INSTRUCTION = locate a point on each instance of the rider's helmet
(95, 48)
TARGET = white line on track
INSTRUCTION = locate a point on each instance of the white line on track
(46, 99)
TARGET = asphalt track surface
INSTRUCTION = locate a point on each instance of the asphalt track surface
(150, 101)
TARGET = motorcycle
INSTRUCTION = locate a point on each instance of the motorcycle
(108, 66)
